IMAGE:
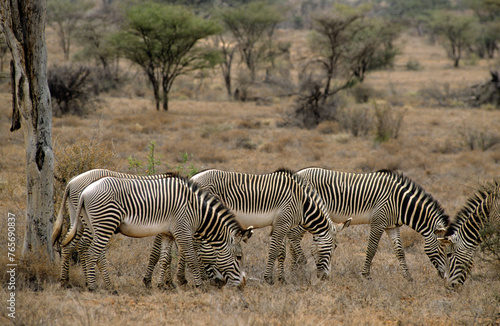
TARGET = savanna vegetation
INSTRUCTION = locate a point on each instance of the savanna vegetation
(405, 85)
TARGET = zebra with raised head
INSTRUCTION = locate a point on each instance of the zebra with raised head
(173, 207)
(386, 200)
(281, 200)
(465, 233)
(70, 200)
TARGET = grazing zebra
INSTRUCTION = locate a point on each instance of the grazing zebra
(70, 200)
(464, 234)
(386, 200)
(278, 199)
(173, 207)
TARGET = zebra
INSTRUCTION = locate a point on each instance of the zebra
(278, 199)
(70, 200)
(386, 200)
(173, 206)
(466, 231)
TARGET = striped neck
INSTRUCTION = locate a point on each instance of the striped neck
(479, 210)
(418, 209)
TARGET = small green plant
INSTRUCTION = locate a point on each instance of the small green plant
(183, 168)
(154, 161)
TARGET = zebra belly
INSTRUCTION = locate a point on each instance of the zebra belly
(143, 230)
(257, 220)
(358, 218)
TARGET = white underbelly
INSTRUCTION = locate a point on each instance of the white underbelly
(363, 218)
(257, 220)
(142, 230)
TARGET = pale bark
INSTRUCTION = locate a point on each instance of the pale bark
(23, 23)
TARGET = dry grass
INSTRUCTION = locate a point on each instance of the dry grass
(249, 137)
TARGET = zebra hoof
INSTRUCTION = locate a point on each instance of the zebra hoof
(167, 286)
(282, 280)
(66, 285)
(218, 283)
(114, 292)
(323, 276)
(147, 283)
(366, 276)
(408, 277)
(269, 280)
(182, 281)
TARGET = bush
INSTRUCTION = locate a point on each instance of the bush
(362, 93)
(388, 122)
(413, 65)
(475, 139)
(357, 120)
(71, 160)
(490, 247)
(73, 89)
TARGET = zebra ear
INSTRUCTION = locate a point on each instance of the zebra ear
(440, 233)
(445, 241)
(340, 226)
(246, 234)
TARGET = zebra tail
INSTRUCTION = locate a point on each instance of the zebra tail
(76, 224)
(56, 231)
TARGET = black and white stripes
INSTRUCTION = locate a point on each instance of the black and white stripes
(385, 200)
(172, 206)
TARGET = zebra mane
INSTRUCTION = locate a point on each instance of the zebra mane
(285, 171)
(473, 203)
(410, 183)
(227, 216)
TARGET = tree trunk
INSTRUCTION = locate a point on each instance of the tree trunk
(23, 24)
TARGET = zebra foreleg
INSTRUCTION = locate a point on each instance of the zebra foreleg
(186, 248)
(395, 235)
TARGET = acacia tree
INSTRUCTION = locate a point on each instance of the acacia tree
(161, 39)
(252, 26)
(64, 16)
(457, 32)
(344, 46)
(23, 24)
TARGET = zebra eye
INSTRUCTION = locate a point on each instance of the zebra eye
(239, 257)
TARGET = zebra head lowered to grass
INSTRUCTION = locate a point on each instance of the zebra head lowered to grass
(172, 206)
(386, 200)
(468, 230)
(281, 200)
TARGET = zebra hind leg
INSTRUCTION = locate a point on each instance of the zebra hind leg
(375, 235)
(153, 260)
(165, 263)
